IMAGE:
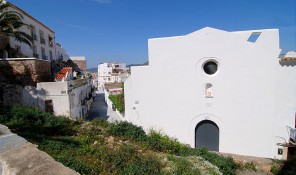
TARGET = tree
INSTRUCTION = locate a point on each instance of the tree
(10, 22)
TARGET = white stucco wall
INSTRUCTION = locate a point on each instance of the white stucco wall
(253, 100)
(27, 50)
(58, 93)
(66, 97)
(105, 74)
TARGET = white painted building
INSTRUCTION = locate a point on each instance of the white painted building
(44, 45)
(71, 98)
(61, 53)
(223, 90)
(111, 73)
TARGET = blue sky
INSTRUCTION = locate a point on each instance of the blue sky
(118, 30)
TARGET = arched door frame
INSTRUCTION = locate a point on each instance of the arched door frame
(196, 120)
(203, 138)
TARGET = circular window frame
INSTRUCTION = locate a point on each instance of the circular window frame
(207, 61)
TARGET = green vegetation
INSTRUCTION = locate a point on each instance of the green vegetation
(281, 167)
(118, 101)
(100, 147)
(10, 22)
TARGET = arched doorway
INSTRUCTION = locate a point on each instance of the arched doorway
(207, 135)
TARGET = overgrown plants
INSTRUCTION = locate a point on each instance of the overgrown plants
(100, 147)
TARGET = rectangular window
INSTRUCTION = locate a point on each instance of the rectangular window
(35, 52)
(50, 55)
(42, 39)
(33, 33)
(44, 57)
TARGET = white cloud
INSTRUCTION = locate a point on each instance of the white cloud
(103, 1)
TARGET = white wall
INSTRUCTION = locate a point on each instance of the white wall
(105, 74)
(27, 50)
(58, 93)
(248, 103)
(61, 53)
(66, 97)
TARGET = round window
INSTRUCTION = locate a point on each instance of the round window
(210, 67)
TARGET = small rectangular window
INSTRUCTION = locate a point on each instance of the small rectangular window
(42, 39)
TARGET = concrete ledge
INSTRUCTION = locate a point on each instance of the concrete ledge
(19, 157)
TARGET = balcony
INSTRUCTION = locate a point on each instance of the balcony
(35, 55)
(42, 40)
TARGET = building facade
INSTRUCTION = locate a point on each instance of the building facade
(67, 96)
(223, 90)
(44, 45)
(111, 73)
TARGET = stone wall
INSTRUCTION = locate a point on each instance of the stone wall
(78, 65)
(25, 71)
(18, 79)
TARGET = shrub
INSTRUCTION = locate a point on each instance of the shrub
(163, 143)
(127, 130)
(225, 165)
(143, 165)
(76, 164)
(118, 101)
(183, 166)
(28, 119)
(100, 122)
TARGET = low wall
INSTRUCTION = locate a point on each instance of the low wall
(110, 103)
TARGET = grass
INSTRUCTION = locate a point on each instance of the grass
(100, 147)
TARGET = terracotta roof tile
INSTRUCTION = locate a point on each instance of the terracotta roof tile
(62, 74)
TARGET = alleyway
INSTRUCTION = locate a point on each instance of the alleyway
(100, 110)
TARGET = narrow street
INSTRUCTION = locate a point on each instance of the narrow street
(100, 110)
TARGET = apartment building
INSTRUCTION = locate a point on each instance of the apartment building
(111, 73)
(44, 46)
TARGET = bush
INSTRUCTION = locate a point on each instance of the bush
(118, 101)
(183, 166)
(163, 143)
(100, 123)
(225, 165)
(143, 165)
(76, 164)
(127, 130)
(22, 119)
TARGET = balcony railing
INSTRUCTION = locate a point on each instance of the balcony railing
(42, 40)
(36, 55)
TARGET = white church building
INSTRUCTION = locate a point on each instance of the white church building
(228, 91)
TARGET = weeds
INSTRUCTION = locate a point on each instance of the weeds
(127, 131)
(83, 146)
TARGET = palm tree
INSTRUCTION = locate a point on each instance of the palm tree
(10, 22)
